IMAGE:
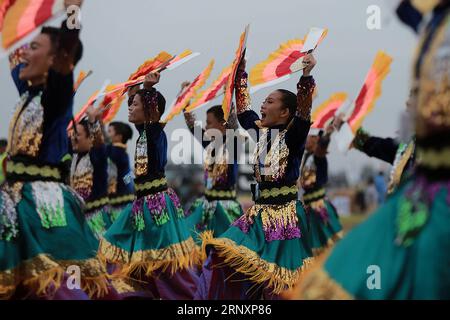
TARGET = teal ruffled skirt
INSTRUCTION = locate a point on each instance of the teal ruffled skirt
(43, 233)
(400, 252)
(215, 216)
(324, 226)
(268, 246)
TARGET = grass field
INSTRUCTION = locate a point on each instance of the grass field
(352, 221)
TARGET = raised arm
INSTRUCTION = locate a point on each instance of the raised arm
(301, 123)
(248, 118)
(58, 95)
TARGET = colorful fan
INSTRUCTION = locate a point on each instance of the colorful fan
(370, 91)
(212, 92)
(284, 61)
(92, 99)
(81, 77)
(326, 111)
(184, 98)
(20, 17)
(229, 86)
(114, 97)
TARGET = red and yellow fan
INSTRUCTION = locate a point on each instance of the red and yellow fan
(370, 91)
(322, 116)
(183, 99)
(18, 18)
(229, 86)
(83, 75)
(284, 61)
(212, 92)
(114, 97)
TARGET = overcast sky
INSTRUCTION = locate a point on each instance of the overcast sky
(119, 35)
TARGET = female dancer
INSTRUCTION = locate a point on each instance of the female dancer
(88, 173)
(324, 226)
(401, 251)
(150, 242)
(264, 252)
(218, 208)
(120, 185)
(44, 236)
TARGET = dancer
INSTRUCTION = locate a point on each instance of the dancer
(324, 226)
(400, 252)
(120, 185)
(150, 243)
(42, 227)
(218, 208)
(89, 170)
(265, 251)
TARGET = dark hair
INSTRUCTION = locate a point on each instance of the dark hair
(3, 143)
(289, 100)
(84, 122)
(217, 111)
(130, 99)
(55, 39)
(123, 129)
(150, 98)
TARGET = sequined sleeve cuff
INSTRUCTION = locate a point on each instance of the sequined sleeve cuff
(14, 58)
(305, 89)
(96, 133)
(243, 102)
(360, 139)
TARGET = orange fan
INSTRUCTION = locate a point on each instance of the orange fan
(229, 86)
(115, 96)
(184, 98)
(18, 18)
(370, 91)
(212, 92)
(161, 62)
(81, 77)
(326, 111)
(284, 61)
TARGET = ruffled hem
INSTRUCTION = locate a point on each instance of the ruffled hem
(179, 256)
(330, 243)
(43, 276)
(247, 262)
(316, 284)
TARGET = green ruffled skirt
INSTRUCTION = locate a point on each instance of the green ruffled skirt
(269, 245)
(43, 233)
(151, 234)
(215, 216)
(324, 226)
(400, 252)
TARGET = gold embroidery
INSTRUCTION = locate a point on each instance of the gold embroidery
(433, 97)
(32, 170)
(141, 156)
(26, 128)
(275, 162)
(82, 175)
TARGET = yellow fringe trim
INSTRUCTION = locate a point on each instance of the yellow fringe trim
(247, 262)
(42, 272)
(316, 284)
(331, 242)
(179, 256)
